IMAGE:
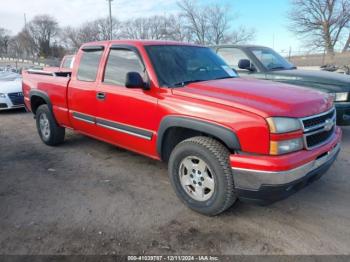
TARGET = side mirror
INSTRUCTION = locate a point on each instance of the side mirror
(134, 80)
(246, 65)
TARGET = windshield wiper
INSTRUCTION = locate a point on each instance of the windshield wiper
(278, 68)
(185, 83)
(225, 77)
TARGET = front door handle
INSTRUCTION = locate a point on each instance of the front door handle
(101, 96)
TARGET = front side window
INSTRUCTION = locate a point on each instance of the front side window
(232, 56)
(89, 65)
(271, 60)
(178, 65)
(120, 62)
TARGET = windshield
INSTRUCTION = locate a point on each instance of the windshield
(178, 65)
(271, 60)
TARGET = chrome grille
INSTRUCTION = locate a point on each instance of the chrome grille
(319, 129)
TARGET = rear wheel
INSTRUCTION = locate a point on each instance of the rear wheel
(201, 175)
(49, 132)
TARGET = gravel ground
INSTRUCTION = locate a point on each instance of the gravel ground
(88, 197)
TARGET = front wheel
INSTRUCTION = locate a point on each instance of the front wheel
(49, 132)
(200, 173)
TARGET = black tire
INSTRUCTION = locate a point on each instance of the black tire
(216, 157)
(56, 133)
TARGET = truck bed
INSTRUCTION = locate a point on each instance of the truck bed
(55, 84)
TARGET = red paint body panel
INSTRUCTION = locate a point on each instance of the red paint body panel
(238, 104)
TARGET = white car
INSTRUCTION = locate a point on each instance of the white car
(11, 95)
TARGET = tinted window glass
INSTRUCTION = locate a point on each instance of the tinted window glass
(271, 60)
(179, 65)
(89, 64)
(120, 62)
(232, 56)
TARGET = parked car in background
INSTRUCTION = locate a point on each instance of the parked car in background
(11, 95)
(264, 63)
(224, 138)
(67, 63)
(65, 66)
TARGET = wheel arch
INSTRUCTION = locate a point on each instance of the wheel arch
(38, 98)
(174, 129)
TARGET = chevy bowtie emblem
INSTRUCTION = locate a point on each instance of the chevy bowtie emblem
(328, 124)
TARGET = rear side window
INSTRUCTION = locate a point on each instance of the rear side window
(120, 62)
(89, 64)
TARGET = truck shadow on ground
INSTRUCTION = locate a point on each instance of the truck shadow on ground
(13, 112)
(346, 134)
(101, 150)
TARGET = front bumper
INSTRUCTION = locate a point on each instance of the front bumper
(343, 113)
(7, 104)
(279, 177)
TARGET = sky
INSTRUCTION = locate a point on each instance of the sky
(268, 17)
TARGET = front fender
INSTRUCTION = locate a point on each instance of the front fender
(227, 136)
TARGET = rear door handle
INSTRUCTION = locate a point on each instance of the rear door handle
(101, 96)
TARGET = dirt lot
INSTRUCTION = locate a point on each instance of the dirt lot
(87, 197)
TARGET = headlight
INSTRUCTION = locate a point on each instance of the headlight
(340, 97)
(280, 125)
(2, 95)
(286, 146)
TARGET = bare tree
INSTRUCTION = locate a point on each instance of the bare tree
(104, 29)
(43, 29)
(96, 30)
(211, 24)
(73, 38)
(136, 29)
(347, 43)
(4, 41)
(322, 22)
(218, 21)
(196, 20)
(241, 35)
(144, 28)
(201, 24)
(174, 27)
(23, 45)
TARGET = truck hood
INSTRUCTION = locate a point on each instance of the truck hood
(329, 82)
(263, 98)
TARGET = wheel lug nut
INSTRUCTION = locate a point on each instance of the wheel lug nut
(199, 183)
(194, 182)
(191, 176)
(193, 171)
(202, 178)
(199, 172)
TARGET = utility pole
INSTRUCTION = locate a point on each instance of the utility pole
(110, 20)
(25, 21)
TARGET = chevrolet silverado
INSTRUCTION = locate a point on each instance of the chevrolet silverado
(224, 138)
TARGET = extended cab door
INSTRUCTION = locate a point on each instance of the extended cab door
(82, 102)
(126, 117)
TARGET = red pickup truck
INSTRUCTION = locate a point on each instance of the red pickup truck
(224, 138)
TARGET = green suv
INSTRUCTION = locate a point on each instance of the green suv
(264, 63)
